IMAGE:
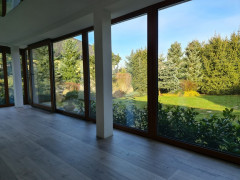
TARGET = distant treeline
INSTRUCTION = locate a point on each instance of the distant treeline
(211, 67)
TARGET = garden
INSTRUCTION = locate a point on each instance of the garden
(199, 90)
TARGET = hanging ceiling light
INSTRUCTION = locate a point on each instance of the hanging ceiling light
(7, 5)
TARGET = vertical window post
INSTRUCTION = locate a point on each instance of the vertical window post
(52, 77)
(86, 73)
(30, 76)
(25, 71)
(152, 72)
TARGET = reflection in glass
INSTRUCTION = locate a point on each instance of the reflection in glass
(198, 75)
(69, 82)
(129, 73)
(41, 76)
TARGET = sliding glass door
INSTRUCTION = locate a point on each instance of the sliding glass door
(6, 78)
(41, 77)
(2, 83)
(129, 73)
(69, 82)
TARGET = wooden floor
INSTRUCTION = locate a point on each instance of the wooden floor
(35, 144)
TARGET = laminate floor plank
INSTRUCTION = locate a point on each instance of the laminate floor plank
(99, 161)
(5, 172)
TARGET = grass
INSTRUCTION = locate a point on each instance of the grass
(206, 105)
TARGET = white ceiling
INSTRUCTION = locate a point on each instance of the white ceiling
(35, 20)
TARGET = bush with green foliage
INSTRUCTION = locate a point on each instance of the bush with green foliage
(126, 114)
(75, 98)
(219, 133)
(72, 95)
(129, 115)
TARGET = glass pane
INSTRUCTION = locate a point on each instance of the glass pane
(11, 4)
(69, 82)
(41, 76)
(21, 61)
(1, 8)
(129, 68)
(10, 78)
(198, 77)
(92, 75)
(2, 85)
(28, 77)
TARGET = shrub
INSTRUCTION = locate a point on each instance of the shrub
(176, 93)
(119, 94)
(191, 93)
(127, 114)
(71, 86)
(72, 95)
(220, 133)
(177, 122)
(93, 109)
(170, 95)
(44, 98)
(133, 94)
(179, 92)
(187, 85)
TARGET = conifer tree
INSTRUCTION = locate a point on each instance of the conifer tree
(217, 78)
(137, 67)
(70, 65)
(167, 75)
(192, 62)
(175, 56)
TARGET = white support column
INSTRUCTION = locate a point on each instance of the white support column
(103, 59)
(17, 78)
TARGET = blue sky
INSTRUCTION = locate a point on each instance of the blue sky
(197, 20)
(194, 20)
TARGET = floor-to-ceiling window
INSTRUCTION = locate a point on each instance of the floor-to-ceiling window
(129, 73)
(92, 75)
(22, 75)
(2, 84)
(41, 85)
(10, 78)
(28, 77)
(69, 82)
(6, 77)
(199, 74)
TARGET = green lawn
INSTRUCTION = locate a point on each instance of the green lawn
(204, 104)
